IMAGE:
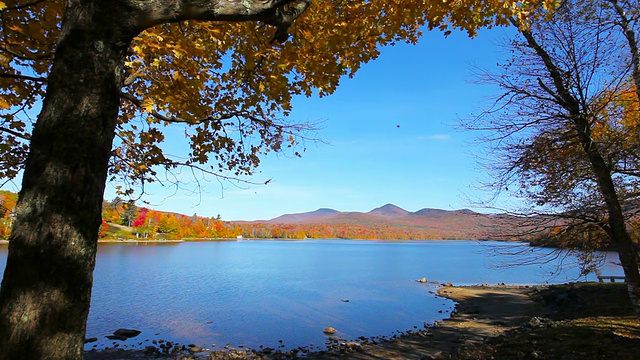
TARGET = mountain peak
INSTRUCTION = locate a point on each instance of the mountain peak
(303, 218)
(389, 210)
(325, 211)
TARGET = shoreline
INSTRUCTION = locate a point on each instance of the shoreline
(178, 241)
(574, 321)
(123, 240)
(481, 312)
(475, 317)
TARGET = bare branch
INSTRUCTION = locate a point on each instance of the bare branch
(16, 134)
(551, 92)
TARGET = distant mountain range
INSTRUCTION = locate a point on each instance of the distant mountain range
(464, 224)
(387, 213)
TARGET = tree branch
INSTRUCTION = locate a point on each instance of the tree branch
(24, 77)
(32, 57)
(278, 13)
(172, 119)
(557, 98)
(16, 134)
(569, 102)
(22, 6)
(283, 18)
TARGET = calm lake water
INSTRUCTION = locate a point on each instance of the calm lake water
(256, 293)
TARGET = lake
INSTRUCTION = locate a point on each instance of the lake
(254, 293)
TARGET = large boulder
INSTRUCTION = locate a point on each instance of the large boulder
(126, 333)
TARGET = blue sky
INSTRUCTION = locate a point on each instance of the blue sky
(389, 136)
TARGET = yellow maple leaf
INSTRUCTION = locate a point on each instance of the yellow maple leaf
(3, 103)
(147, 105)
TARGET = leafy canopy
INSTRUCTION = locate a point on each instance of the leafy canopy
(229, 86)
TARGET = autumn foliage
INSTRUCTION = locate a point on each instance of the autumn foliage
(127, 221)
(228, 86)
(7, 203)
(123, 219)
(149, 224)
(363, 231)
(224, 71)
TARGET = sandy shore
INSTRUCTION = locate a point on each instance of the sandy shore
(481, 312)
(569, 321)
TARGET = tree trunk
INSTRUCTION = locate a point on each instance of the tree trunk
(46, 289)
(617, 225)
(601, 171)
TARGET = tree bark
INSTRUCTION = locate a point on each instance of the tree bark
(46, 289)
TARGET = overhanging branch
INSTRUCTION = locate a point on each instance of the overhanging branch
(16, 134)
(278, 13)
(173, 119)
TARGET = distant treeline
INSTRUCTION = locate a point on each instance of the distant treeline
(143, 223)
(366, 231)
(125, 220)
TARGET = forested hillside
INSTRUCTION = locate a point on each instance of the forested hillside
(125, 220)
(386, 222)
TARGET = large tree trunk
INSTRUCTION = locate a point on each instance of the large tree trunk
(46, 289)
